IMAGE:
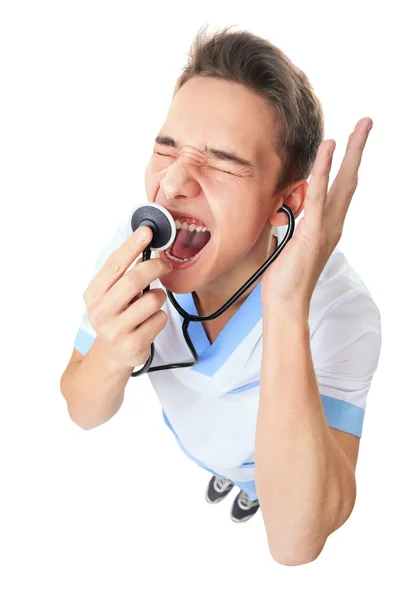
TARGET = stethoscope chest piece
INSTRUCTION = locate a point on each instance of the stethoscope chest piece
(159, 220)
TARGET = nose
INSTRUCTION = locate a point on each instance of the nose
(179, 180)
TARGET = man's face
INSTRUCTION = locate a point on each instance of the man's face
(190, 176)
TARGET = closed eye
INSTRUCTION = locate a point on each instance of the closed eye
(222, 170)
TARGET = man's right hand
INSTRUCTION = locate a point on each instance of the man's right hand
(125, 320)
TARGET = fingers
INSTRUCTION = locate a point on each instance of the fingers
(141, 310)
(346, 181)
(317, 188)
(131, 285)
(141, 338)
(117, 264)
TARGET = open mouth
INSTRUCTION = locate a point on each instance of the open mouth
(192, 236)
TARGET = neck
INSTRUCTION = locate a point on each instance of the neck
(212, 296)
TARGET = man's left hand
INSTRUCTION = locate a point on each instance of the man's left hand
(290, 281)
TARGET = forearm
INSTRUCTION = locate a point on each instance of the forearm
(94, 388)
(305, 483)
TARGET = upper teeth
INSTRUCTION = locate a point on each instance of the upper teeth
(191, 227)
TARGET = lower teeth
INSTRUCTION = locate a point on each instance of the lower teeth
(181, 260)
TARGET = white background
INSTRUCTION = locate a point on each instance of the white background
(119, 511)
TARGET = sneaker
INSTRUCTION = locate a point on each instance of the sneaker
(243, 509)
(217, 489)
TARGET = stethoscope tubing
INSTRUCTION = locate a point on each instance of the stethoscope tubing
(187, 317)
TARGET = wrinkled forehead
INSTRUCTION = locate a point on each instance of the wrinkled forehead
(224, 114)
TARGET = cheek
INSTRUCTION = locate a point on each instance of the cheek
(153, 177)
(240, 223)
(237, 206)
(226, 195)
(148, 179)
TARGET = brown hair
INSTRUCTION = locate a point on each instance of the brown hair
(245, 58)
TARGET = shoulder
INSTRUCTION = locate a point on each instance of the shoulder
(345, 322)
(339, 286)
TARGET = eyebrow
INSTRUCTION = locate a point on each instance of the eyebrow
(219, 154)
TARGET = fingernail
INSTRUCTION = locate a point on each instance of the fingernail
(370, 127)
(142, 233)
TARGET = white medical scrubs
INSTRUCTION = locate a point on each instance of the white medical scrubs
(211, 408)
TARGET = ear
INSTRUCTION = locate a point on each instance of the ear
(294, 198)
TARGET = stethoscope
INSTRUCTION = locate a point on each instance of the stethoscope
(162, 224)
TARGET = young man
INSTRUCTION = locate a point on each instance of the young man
(284, 373)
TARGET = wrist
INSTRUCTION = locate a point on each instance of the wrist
(109, 363)
(294, 314)
(281, 331)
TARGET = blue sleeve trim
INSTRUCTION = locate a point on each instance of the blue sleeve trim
(83, 342)
(339, 413)
(343, 415)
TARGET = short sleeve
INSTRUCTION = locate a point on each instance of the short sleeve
(86, 334)
(345, 347)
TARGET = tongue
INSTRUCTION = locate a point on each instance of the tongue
(189, 243)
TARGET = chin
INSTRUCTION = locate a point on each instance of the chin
(177, 285)
(183, 282)
(185, 279)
